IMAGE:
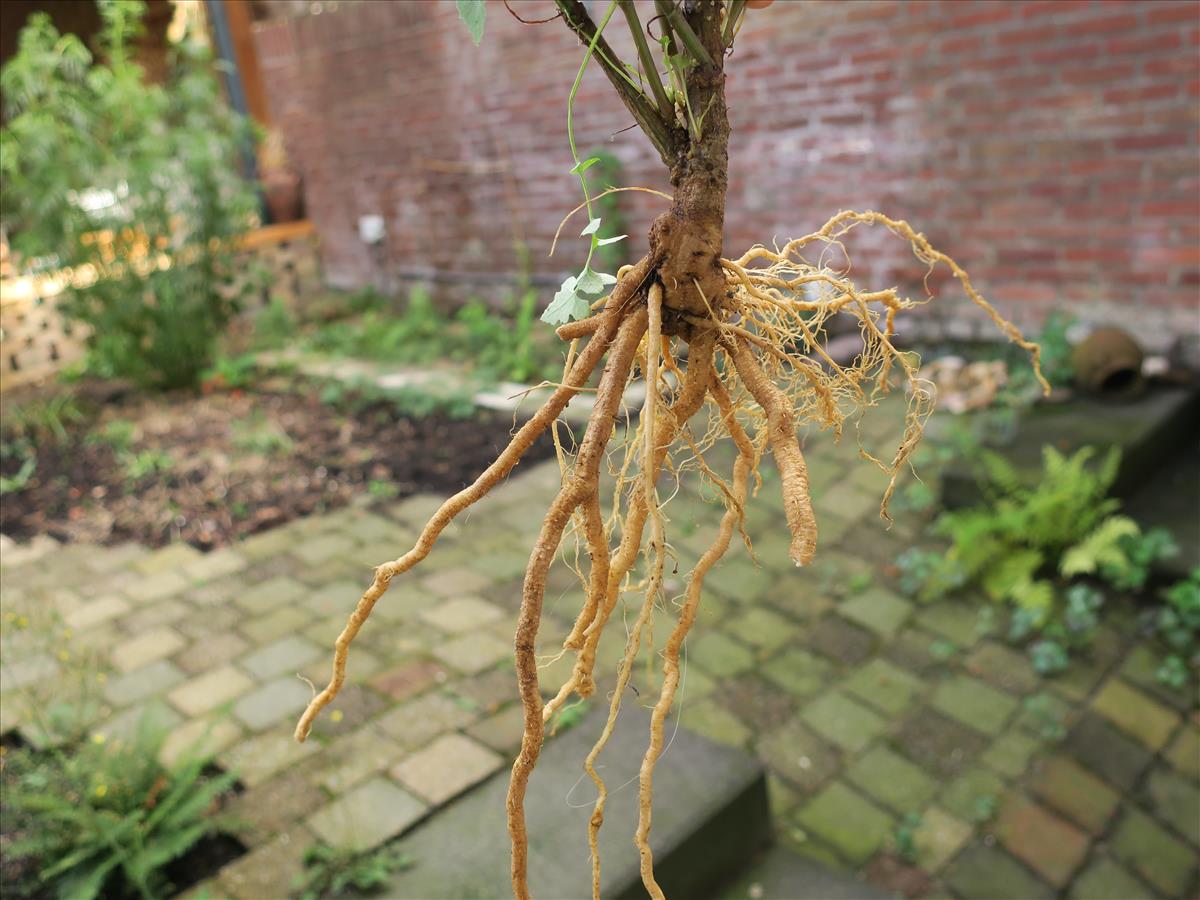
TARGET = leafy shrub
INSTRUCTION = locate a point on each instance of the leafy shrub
(45, 419)
(133, 185)
(1178, 624)
(230, 373)
(331, 872)
(105, 818)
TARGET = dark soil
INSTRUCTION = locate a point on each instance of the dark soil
(235, 463)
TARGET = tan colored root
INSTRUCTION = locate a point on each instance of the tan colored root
(747, 460)
(491, 476)
(691, 397)
(584, 480)
(785, 447)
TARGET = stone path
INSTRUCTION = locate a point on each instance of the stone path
(890, 729)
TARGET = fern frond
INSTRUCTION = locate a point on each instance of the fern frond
(1100, 548)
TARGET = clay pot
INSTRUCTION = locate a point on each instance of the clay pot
(1108, 362)
(283, 197)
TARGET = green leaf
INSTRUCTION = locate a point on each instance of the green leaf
(590, 228)
(604, 242)
(567, 304)
(593, 282)
(580, 167)
(474, 13)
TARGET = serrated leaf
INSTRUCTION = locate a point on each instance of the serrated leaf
(589, 282)
(567, 304)
(590, 227)
(604, 242)
(474, 14)
(580, 167)
(606, 279)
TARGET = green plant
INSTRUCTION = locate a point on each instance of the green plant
(569, 716)
(104, 818)
(256, 435)
(275, 325)
(419, 334)
(1056, 349)
(131, 184)
(229, 373)
(1049, 657)
(381, 490)
(117, 434)
(23, 453)
(1178, 624)
(503, 345)
(144, 463)
(334, 872)
(904, 836)
(607, 172)
(45, 419)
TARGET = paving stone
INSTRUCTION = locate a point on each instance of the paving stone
(354, 758)
(846, 820)
(798, 754)
(839, 640)
(974, 796)
(1149, 850)
(156, 678)
(796, 671)
(843, 721)
(273, 702)
(715, 722)
(1011, 752)
(263, 811)
(321, 548)
(266, 544)
(155, 615)
(937, 743)
(1175, 801)
(1049, 845)
(446, 768)
(1120, 760)
(409, 679)
(877, 609)
(739, 580)
(987, 873)
(462, 614)
(353, 706)
(472, 653)
(757, 702)
(1002, 667)
(488, 690)
(152, 716)
(19, 673)
(210, 690)
(155, 587)
(974, 703)
(760, 627)
(102, 609)
(884, 686)
(1075, 792)
(1135, 713)
(216, 564)
(719, 655)
(278, 623)
(211, 652)
(502, 731)
(257, 759)
(267, 595)
(270, 870)
(288, 654)
(1103, 879)
(367, 816)
(418, 721)
(454, 583)
(146, 648)
(199, 737)
(169, 559)
(1184, 751)
(952, 620)
(336, 599)
(938, 837)
(891, 780)
(910, 649)
(849, 501)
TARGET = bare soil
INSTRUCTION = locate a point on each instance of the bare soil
(236, 463)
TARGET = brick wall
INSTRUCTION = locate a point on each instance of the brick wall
(1051, 147)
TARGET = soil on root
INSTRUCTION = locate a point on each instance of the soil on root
(230, 464)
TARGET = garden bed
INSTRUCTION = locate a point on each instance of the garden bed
(209, 469)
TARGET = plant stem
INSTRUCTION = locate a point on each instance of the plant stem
(643, 50)
(691, 43)
(733, 15)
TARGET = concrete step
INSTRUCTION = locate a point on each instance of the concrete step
(710, 819)
(779, 874)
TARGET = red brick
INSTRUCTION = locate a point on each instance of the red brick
(1049, 845)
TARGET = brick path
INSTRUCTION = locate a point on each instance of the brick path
(882, 722)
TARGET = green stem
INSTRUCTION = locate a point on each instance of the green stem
(733, 13)
(643, 50)
(691, 43)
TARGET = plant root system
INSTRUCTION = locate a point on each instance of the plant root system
(752, 358)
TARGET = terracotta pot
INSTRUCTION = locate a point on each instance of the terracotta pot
(1108, 362)
(283, 197)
